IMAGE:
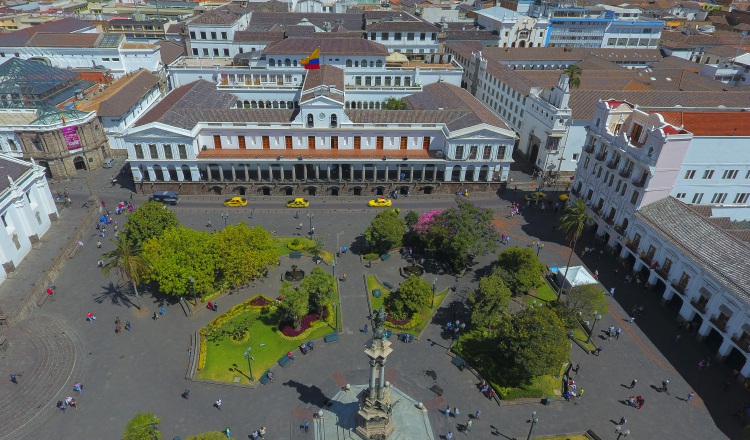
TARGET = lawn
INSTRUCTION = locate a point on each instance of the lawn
(581, 336)
(544, 293)
(426, 312)
(282, 248)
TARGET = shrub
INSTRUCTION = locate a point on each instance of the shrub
(519, 393)
(371, 257)
(202, 351)
(408, 324)
(296, 245)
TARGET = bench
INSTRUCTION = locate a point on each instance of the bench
(385, 256)
(377, 293)
(295, 254)
(265, 378)
(285, 360)
(459, 362)
(405, 337)
(331, 337)
(387, 285)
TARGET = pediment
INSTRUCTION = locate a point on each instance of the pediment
(152, 131)
(483, 132)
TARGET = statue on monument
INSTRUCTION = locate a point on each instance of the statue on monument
(378, 324)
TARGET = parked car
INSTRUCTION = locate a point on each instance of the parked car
(235, 201)
(380, 201)
(299, 202)
(537, 196)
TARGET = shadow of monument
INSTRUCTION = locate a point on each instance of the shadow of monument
(311, 395)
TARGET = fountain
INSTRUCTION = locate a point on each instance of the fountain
(412, 269)
(294, 274)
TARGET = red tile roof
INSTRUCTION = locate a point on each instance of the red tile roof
(710, 123)
(311, 154)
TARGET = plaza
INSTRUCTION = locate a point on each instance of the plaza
(147, 369)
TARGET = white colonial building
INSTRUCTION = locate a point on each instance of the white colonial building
(27, 210)
(201, 134)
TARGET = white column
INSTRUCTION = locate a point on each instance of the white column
(462, 175)
(687, 312)
(151, 174)
(180, 175)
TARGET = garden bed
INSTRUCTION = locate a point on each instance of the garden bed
(402, 325)
(282, 246)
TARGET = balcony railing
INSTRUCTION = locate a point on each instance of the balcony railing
(601, 156)
(612, 164)
(744, 344)
(588, 148)
(626, 172)
(698, 306)
(719, 323)
(679, 287)
(619, 229)
(640, 182)
(663, 273)
(647, 259)
(632, 246)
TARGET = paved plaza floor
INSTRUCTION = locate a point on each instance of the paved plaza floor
(145, 369)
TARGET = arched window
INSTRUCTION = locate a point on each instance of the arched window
(287, 62)
(379, 63)
(363, 63)
(372, 63)
(348, 63)
(356, 63)
(272, 62)
(334, 121)
(310, 120)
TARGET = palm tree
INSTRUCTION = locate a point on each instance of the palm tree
(142, 427)
(126, 258)
(395, 104)
(572, 222)
(573, 73)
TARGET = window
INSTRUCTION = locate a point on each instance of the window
(689, 174)
(153, 151)
(404, 141)
(719, 198)
(747, 175)
(241, 140)
(575, 156)
(334, 142)
(213, 35)
(426, 143)
(205, 52)
(37, 145)
(203, 35)
(192, 35)
(730, 174)
(397, 36)
(357, 142)
(182, 151)
(501, 152)
(421, 36)
(379, 142)
(266, 142)
(635, 133)
(459, 152)
(741, 198)
(624, 188)
(138, 151)
(384, 36)
(487, 152)
(334, 121)
(473, 152)
(195, 51)
(634, 197)
(681, 195)
(586, 163)
(410, 36)
(226, 52)
(310, 119)
(697, 198)
(216, 52)
(288, 142)
(311, 142)
(708, 174)
(168, 151)
(223, 35)
(14, 147)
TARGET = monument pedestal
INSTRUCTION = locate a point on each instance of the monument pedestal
(374, 421)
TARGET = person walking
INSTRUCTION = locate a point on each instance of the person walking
(632, 384)
(455, 412)
(262, 432)
(690, 396)
(228, 432)
(664, 385)
(598, 351)
(217, 404)
(447, 412)
(449, 436)
(612, 292)
(306, 425)
(186, 394)
(468, 425)
(617, 333)
(623, 421)
(161, 311)
(477, 414)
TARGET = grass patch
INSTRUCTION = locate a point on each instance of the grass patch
(281, 244)
(374, 284)
(544, 293)
(581, 336)
(426, 312)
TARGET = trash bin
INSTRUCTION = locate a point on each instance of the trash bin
(547, 401)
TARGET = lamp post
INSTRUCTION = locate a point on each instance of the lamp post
(597, 317)
(539, 246)
(249, 367)
(534, 420)
(311, 217)
(621, 432)
(434, 289)
(225, 216)
(336, 323)
(192, 288)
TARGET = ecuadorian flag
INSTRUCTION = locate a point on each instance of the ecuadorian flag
(313, 61)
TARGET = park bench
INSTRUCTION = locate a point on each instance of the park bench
(377, 293)
(385, 256)
(265, 378)
(387, 285)
(405, 337)
(295, 254)
(331, 337)
(285, 360)
(459, 362)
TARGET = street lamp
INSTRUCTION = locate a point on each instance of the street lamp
(225, 216)
(249, 367)
(597, 317)
(434, 289)
(621, 432)
(336, 323)
(534, 420)
(311, 217)
(539, 246)
(192, 287)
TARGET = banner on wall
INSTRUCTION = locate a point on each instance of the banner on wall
(71, 138)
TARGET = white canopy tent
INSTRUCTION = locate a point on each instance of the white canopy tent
(576, 276)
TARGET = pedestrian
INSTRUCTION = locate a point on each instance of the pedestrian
(576, 368)
(567, 396)
(580, 393)
(343, 277)
(255, 435)
(228, 433)
(98, 244)
(13, 378)
(632, 384)
(455, 412)
(449, 436)
(490, 393)
(127, 325)
(623, 421)
(161, 311)
(468, 425)
(617, 333)
(78, 387)
(447, 412)
(690, 396)
(632, 319)
(612, 292)
(477, 414)
(104, 205)
(186, 394)
(507, 239)
(502, 238)
(307, 425)
(664, 385)
(217, 404)
(156, 316)
(364, 330)
(61, 406)
(598, 351)
(262, 432)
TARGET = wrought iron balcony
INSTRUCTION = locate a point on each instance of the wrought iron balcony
(698, 306)
(612, 164)
(663, 273)
(589, 148)
(601, 156)
(744, 344)
(626, 172)
(679, 287)
(721, 324)
(640, 183)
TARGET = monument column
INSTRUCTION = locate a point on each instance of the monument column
(373, 368)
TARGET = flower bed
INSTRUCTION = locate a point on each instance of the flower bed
(395, 321)
(260, 301)
(307, 322)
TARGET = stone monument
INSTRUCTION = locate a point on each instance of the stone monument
(374, 421)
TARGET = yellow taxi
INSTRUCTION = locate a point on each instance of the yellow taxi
(536, 196)
(380, 201)
(299, 202)
(235, 201)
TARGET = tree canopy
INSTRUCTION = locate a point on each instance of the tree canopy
(586, 299)
(413, 294)
(573, 220)
(295, 303)
(243, 253)
(211, 435)
(127, 259)
(530, 343)
(149, 220)
(489, 302)
(386, 231)
(573, 73)
(520, 269)
(177, 255)
(320, 288)
(411, 218)
(395, 104)
(142, 427)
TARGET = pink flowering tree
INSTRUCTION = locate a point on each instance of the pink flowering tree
(425, 221)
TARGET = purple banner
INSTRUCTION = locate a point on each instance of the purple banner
(71, 138)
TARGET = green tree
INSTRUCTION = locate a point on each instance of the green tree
(243, 253)
(142, 427)
(489, 302)
(386, 231)
(320, 288)
(412, 295)
(458, 234)
(586, 299)
(572, 222)
(531, 343)
(573, 73)
(127, 259)
(295, 303)
(178, 254)
(521, 268)
(395, 104)
(149, 220)
(411, 218)
(211, 435)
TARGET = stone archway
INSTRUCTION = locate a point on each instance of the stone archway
(217, 190)
(240, 190)
(79, 163)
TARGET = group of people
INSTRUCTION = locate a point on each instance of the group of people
(118, 328)
(63, 404)
(636, 401)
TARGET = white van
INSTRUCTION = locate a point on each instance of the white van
(166, 197)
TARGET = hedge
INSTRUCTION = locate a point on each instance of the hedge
(415, 320)
(297, 245)
(518, 393)
(202, 351)
(370, 257)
